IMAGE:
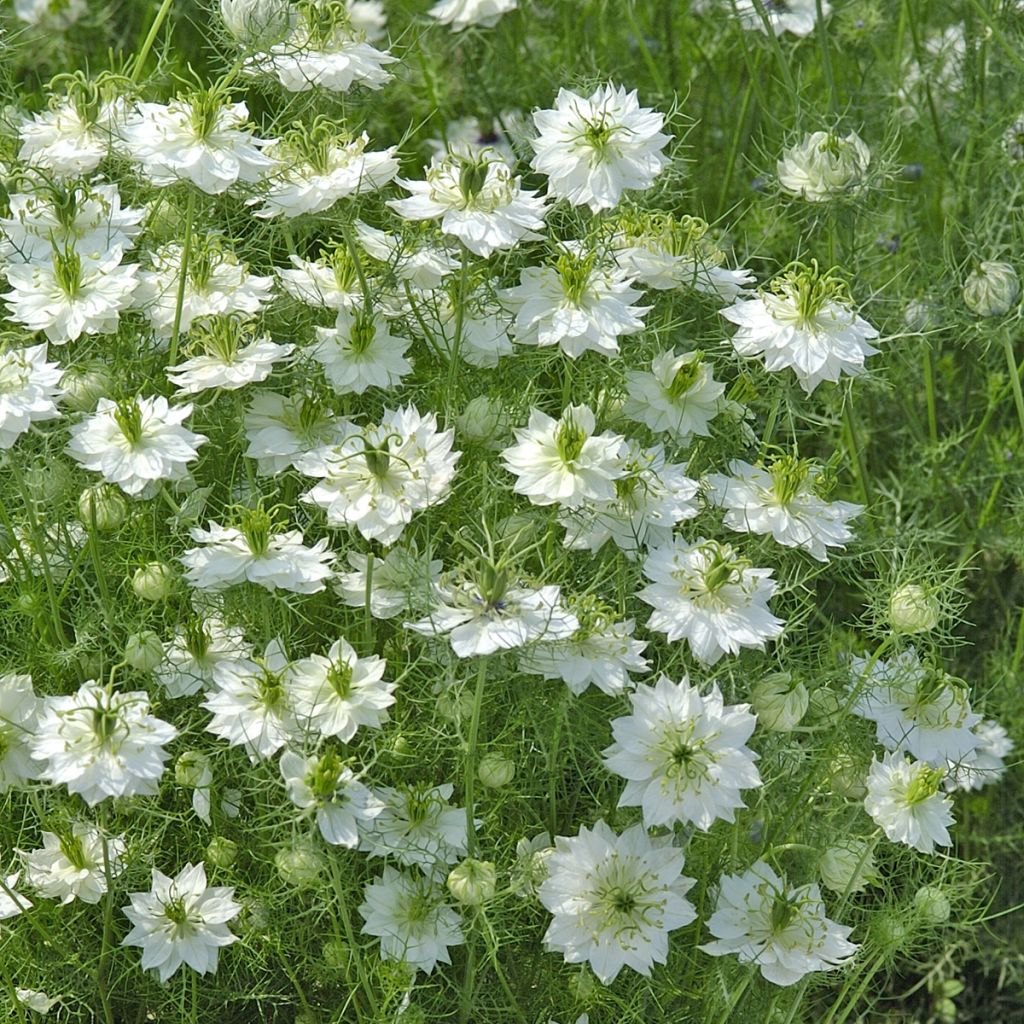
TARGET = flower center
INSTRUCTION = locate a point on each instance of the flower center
(575, 273)
(128, 417)
(686, 376)
(788, 477)
(569, 440)
(256, 525)
(339, 678)
(925, 784)
(809, 292)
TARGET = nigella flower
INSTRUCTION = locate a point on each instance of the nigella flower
(563, 461)
(782, 928)
(197, 649)
(322, 784)
(683, 754)
(254, 552)
(418, 827)
(136, 443)
(804, 322)
(479, 201)
(400, 581)
(824, 165)
(19, 710)
(579, 303)
(706, 594)
(461, 14)
(181, 921)
(798, 17)
(614, 899)
(99, 743)
(679, 396)
(985, 764)
(593, 148)
(75, 865)
(337, 693)
(917, 709)
(360, 352)
(199, 138)
(905, 801)
(29, 390)
(377, 478)
(408, 913)
(282, 428)
(783, 501)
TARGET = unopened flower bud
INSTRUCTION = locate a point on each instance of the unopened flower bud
(890, 932)
(496, 770)
(45, 482)
(192, 769)
(847, 867)
(473, 882)
(144, 651)
(932, 904)
(824, 165)
(912, 609)
(846, 777)
(336, 954)
(455, 707)
(222, 852)
(255, 21)
(992, 290)
(483, 419)
(101, 507)
(300, 865)
(153, 581)
(84, 386)
(778, 702)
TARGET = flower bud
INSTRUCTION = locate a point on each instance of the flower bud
(192, 769)
(912, 609)
(300, 865)
(932, 904)
(483, 419)
(473, 882)
(254, 916)
(153, 582)
(495, 770)
(847, 867)
(101, 506)
(84, 386)
(255, 21)
(778, 702)
(824, 703)
(222, 852)
(890, 932)
(336, 954)
(921, 315)
(45, 482)
(824, 165)
(144, 651)
(992, 289)
(846, 777)
(455, 706)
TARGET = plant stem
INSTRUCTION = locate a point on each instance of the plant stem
(147, 45)
(186, 254)
(1011, 363)
(469, 784)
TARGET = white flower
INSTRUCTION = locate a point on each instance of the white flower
(181, 921)
(51, 15)
(101, 743)
(274, 561)
(216, 284)
(704, 593)
(29, 390)
(337, 694)
(136, 443)
(679, 397)
(12, 903)
(38, 1002)
(226, 365)
(196, 650)
(482, 618)
(683, 755)
(798, 17)
(70, 297)
(780, 927)
(201, 139)
(377, 479)
(985, 763)
(281, 428)
(804, 323)
(414, 924)
(423, 263)
(917, 709)
(904, 800)
(614, 899)
(251, 705)
(69, 140)
(334, 170)
(253, 21)
(359, 352)
(651, 498)
(19, 710)
(479, 201)
(55, 556)
(461, 14)
(84, 219)
(342, 803)
(594, 148)
(579, 304)
(400, 581)
(325, 53)
(418, 827)
(563, 462)
(781, 502)
(824, 165)
(75, 865)
(601, 652)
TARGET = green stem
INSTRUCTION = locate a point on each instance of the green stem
(147, 45)
(186, 254)
(737, 995)
(469, 785)
(929, 392)
(350, 938)
(1011, 363)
